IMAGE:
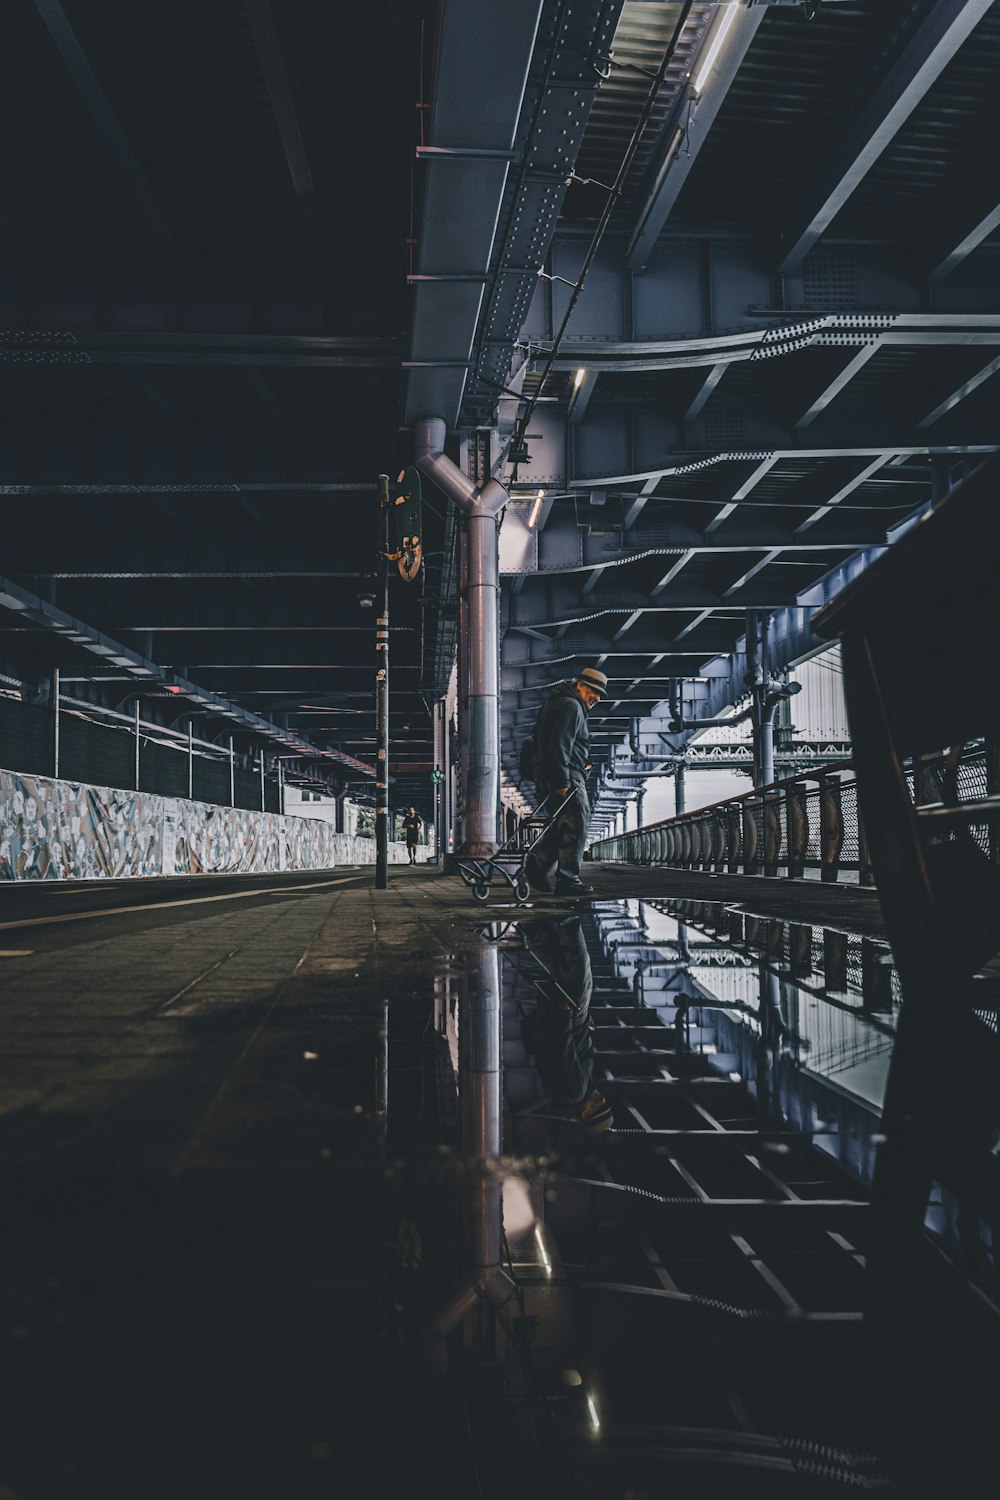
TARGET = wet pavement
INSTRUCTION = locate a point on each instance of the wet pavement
(256, 1153)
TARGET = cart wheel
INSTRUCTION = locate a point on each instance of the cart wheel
(480, 890)
(522, 890)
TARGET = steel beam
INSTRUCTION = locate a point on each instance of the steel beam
(584, 386)
(965, 389)
(930, 49)
(53, 13)
(705, 390)
(861, 477)
(980, 229)
(280, 93)
(839, 383)
(750, 483)
(672, 572)
(722, 51)
(138, 668)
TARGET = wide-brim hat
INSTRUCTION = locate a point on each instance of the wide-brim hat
(594, 679)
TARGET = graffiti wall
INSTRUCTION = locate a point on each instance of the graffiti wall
(61, 830)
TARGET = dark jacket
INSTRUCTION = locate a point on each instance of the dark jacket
(562, 739)
(411, 829)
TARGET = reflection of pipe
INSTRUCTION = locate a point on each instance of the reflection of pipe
(479, 1092)
(481, 505)
(382, 690)
(382, 1075)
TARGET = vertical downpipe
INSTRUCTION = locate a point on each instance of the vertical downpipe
(190, 760)
(137, 707)
(382, 693)
(232, 774)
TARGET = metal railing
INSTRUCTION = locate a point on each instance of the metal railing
(808, 822)
(803, 825)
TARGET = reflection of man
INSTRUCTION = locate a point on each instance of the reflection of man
(563, 1041)
(562, 756)
(411, 832)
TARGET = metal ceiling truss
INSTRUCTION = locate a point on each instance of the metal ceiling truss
(141, 670)
(947, 25)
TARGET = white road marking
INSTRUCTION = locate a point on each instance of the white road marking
(117, 911)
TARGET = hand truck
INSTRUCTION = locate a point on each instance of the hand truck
(509, 860)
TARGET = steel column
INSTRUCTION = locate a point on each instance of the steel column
(55, 723)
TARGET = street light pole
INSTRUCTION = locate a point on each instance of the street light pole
(382, 691)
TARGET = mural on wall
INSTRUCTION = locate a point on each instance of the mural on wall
(225, 840)
(60, 830)
(54, 830)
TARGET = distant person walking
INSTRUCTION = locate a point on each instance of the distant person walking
(411, 832)
(561, 742)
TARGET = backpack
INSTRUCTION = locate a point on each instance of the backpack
(526, 761)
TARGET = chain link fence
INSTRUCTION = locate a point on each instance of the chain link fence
(99, 754)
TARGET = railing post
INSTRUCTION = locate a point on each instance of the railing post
(834, 961)
(797, 817)
(720, 824)
(831, 827)
(733, 840)
(799, 950)
(866, 870)
(771, 820)
(750, 864)
(876, 976)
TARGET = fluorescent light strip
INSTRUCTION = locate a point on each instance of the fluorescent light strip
(542, 1251)
(715, 47)
(578, 379)
(536, 508)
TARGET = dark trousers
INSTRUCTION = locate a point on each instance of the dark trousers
(560, 847)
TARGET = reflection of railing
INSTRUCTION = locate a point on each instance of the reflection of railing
(808, 822)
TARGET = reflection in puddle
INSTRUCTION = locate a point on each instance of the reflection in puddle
(676, 1212)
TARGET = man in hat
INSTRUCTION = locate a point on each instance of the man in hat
(562, 757)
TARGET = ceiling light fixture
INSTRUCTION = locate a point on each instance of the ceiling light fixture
(536, 508)
(578, 379)
(715, 47)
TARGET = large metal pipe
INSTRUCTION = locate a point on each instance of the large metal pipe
(481, 506)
